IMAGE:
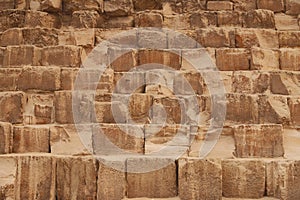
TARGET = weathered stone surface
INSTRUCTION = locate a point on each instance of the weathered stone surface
(260, 19)
(294, 105)
(129, 82)
(139, 107)
(76, 178)
(67, 78)
(242, 108)
(285, 83)
(8, 79)
(65, 140)
(30, 139)
(244, 5)
(158, 183)
(8, 173)
(227, 18)
(177, 22)
(140, 5)
(232, 59)
(21, 55)
(203, 19)
(66, 56)
(109, 171)
(290, 59)
(289, 39)
(11, 106)
(118, 22)
(118, 8)
(35, 177)
(264, 59)
(124, 137)
(286, 22)
(40, 36)
(42, 19)
(6, 138)
(7, 4)
(152, 39)
(39, 78)
(52, 5)
(63, 107)
(190, 171)
(274, 5)
(86, 19)
(273, 109)
(292, 7)
(11, 19)
(258, 141)
(215, 37)
(201, 58)
(151, 19)
(12, 36)
(283, 179)
(122, 60)
(70, 6)
(219, 5)
(166, 58)
(243, 178)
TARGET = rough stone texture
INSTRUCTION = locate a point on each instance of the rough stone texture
(63, 107)
(203, 19)
(294, 105)
(118, 8)
(286, 22)
(30, 139)
(274, 5)
(289, 59)
(243, 178)
(8, 173)
(21, 55)
(258, 141)
(160, 183)
(292, 7)
(289, 39)
(141, 5)
(11, 106)
(190, 171)
(283, 179)
(35, 178)
(229, 18)
(215, 37)
(76, 178)
(149, 20)
(219, 5)
(264, 59)
(260, 19)
(232, 59)
(6, 138)
(8, 79)
(244, 5)
(285, 83)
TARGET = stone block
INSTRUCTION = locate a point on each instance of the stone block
(12, 36)
(260, 19)
(6, 138)
(41, 19)
(152, 39)
(289, 39)
(86, 19)
(203, 19)
(230, 18)
(40, 37)
(232, 59)
(8, 169)
(286, 22)
(264, 59)
(70, 6)
(215, 37)
(258, 141)
(274, 5)
(151, 19)
(294, 105)
(290, 59)
(17, 56)
(63, 107)
(76, 177)
(116, 8)
(190, 171)
(140, 5)
(65, 56)
(8, 79)
(52, 5)
(176, 22)
(244, 5)
(273, 109)
(30, 139)
(12, 107)
(39, 78)
(292, 7)
(7, 4)
(122, 60)
(157, 183)
(285, 83)
(127, 83)
(219, 5)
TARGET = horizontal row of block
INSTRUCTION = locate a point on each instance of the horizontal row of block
(154, 82)
(127, 7)
(122, 60)
(46, 177)
(234, 37)
(17, 107)
(92, 19)
(249, 140)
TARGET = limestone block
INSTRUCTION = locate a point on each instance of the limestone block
(264, 59)
(7, 4)
(122, 60)
(63, 107)
(286, 22)
(276, 6)
(203, 19)
(8, 173)
(6, 138)
(70, 6)
(140, 5)
(40, 36)
(215, 37)
(12, 36)
(86, 19)
(52, 5)
(294, 105)
(232, 59)
(21, 55)
(289, 39)
(8, 79)
(230, 18)
(153, 39)
(150, 19)
(285, 83)
(219, 5)
(244, 5)
(12, 107)
(260, 19)
(118, 8)
(290, 59)
(292, 7)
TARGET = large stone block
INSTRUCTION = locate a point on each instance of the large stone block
(42, 19)
(7, 4)
(285, 83)
(290, 59)
(152, 39)
(230, 18)
(289, 39)
(219, 5)
(65, 56)
(203, 19)
(6, 138)
(70, 6)
(35, 178)
(12, 107)
(274, 5)
(140, 5)
(122, 60)
(40, 36)
(244, 5)
(294, 105)
(52, 5)
(243, 178)
(109, 171)
(11, 19)
(242, 108)
(283, 179)
(258, 141)
(8, 173)
(21, 55)
(232, 59)
(30, 139)
(286, 22)
(118, 8)
(260, 19)
(264, 59)
(292, 7)
(86, 19)
(39, 78)
(215, 37)
(157, 183)
(196, 178)
(12, 36)
(63, 107)
(151, 19)
(273, 109)
(8, 79)
(76, 178)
